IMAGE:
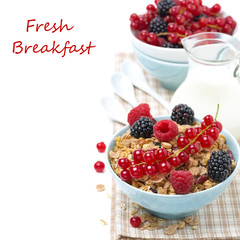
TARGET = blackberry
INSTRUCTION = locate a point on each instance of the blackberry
(182, 114)
(171, 45)
(157, 25)
(219, 165)
(164, 6)
(142, 128)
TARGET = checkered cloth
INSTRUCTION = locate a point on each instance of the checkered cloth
(218, 220)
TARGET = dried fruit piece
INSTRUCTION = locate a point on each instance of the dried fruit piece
(100, 187)
(171, 229)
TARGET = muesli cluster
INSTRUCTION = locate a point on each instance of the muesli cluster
(171, 156)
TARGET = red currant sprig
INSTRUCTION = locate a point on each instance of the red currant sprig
(205, 136)
(162, 161)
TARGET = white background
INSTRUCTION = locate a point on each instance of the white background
(51, 118)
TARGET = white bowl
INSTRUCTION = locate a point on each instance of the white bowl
(175, 55)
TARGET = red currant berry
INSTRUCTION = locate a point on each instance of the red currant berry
(134, 17)
(173, 37)
(168, 19)
(161, 41)
(206, 10)
(227, 29)
(182, 141)
(184, 157)
(99, 166)
(187, 15)
(143, 23)
(135, 221)
(142, 36)
(133, 163)
(191, 133)
(136, 171)
(183, 3)
(217, 125)
(138, 155)
(154, 150)
(208, 120)
(215, 8)
(172, 27)
(191, 7)
(143, 166)
(206, 141)
(213, 132)
(203, 125)
(164, 167)
(195, 26)
(124, 163)
(125, 175)
(161, 154)
(151, 169)
(193, 148)
(220, 22)
(150, 15)
(151, 7)
(149, 157)
(199, 2)
(188, 33)
(175, 10)
(198, 130)
(192, 2)
(101, 147)
(210, 21)
(152, 39)
(231, 22)
(180, 19)
(203, 22)
(135, 26)
(198, 11)
(174, 161)
(181, 29)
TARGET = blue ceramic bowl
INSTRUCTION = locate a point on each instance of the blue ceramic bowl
(169, 74)
(175, 206)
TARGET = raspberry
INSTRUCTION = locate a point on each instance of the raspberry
(165, 130)
(182, 181)
(142, 109)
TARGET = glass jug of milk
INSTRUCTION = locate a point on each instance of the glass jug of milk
(213, 78)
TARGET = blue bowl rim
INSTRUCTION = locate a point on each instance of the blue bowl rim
(159, 60)
(125, 128)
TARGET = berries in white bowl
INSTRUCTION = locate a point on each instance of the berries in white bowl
(168, 21)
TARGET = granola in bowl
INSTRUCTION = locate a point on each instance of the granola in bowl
(172, 157)
(160, 183)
